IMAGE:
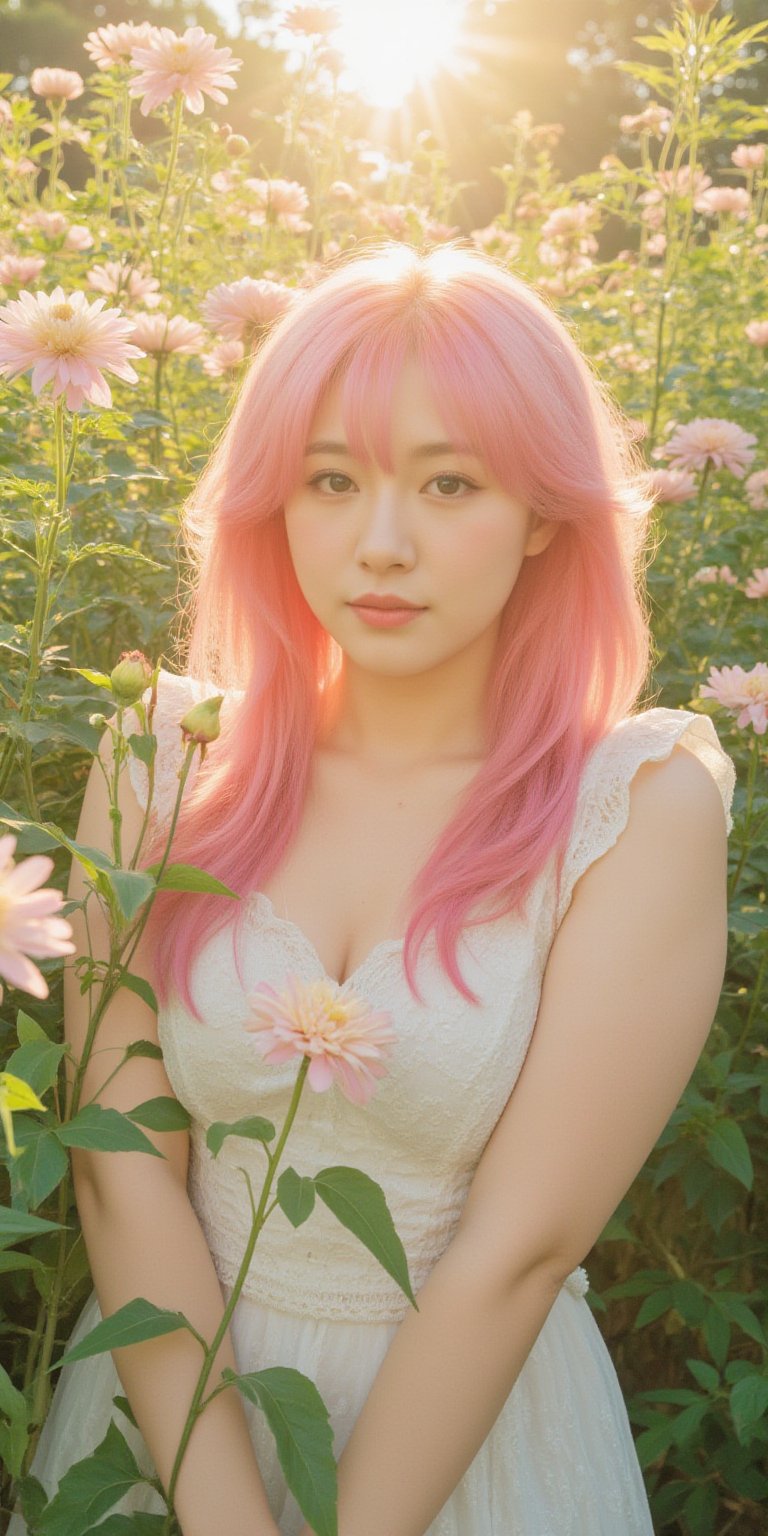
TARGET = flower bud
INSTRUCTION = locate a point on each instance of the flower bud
(201, 723)
(701, 7)
(237, 145)
(130, 678)
(99, 722)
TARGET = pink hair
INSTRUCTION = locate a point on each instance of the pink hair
(574, 644)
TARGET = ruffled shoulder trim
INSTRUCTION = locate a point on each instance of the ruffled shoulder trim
(603, 803)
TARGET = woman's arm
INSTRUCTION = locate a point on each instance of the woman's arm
(629, 995)
(142, 1235)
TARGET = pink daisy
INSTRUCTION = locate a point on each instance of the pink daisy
(711, 438)
(20, 269)
(673, 485)
(190, 63)
(756, 487)
(27, 926)
(57, 84)
(230, 308)
(342, 1035)
(748, 157)
(757, 333)
(66, 340)
(743, 694)
(119, 277)
(756, 585)
(166, 333)
(723, 200)
(108, 45)
(222, 358)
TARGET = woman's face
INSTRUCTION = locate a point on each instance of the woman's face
(439, 532)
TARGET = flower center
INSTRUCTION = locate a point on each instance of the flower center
(62, 312)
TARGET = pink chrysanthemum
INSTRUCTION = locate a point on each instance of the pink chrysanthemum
(119, 277)
(743, 694)
(343, 1036)
(756, 487)
(748, 157)
(723, 200)
(724, 443)
(49, 221)
(66, 341)
(167, 333)
(757, 332)
(190, 63)
(108, 45)
(57, 84)
(708, 574)
(672, 485)
(278, 199)
(231, 308)
(27, 924)
(222, 358)
(312, 20)
(756, 585)
(20, 269)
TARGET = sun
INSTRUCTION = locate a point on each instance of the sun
(391, 45)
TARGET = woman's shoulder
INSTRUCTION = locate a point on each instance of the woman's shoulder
(650, 735)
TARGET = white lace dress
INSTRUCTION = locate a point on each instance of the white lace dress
(560, 1459)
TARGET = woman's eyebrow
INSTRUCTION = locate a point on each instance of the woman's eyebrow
(424, 451)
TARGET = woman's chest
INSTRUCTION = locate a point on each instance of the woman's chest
(361, 842)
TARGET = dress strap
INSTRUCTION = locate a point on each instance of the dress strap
(603, 803)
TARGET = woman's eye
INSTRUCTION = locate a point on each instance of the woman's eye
(454, 480)
(330, 474)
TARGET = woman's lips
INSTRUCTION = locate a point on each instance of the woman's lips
(385, 618)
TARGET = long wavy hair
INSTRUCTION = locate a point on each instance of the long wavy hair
(574, 644)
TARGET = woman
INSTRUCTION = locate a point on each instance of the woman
(462, 816)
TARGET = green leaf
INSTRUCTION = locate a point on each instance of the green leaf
(717, 1335)
(299, 1421)
(296, 1196)
(255, 1127)
(161, 1114)
(187, 877)
(105, 1130)
(137, 1320)
(17, 1226)
(13, 1403)
(27, 1029)
(140, 1523)
(14, 1439)
(689, 1421)
(358, 1202)
(749, 1402)
(43, 1162)
(91, 1486)
(652, 1443)
(727, 1146)
(131, 887)
(37, 1061)
(705, 1375)
(653, 1307)
(142, 988)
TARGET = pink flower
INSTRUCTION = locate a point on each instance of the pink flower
(108, 45)
(680, 181)
(57, 84)
(78, 238)
(743, 694)
(757, 333)
(20, 269)
(222, 358)
(284, 201)
(119, 277)
(230, 308)
(756, 585)
(312, 20)
(756, 487)
(49, 221)
(163, 333)
(344, 1038)
(713, 573)
(748, 157)
(723, 200)
(673, 485)
(725, 444)
(655, 119)
(190, 63)
(569, 221)
(27, 926)
(68, 341)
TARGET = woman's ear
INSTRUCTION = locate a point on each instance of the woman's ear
(542, 532)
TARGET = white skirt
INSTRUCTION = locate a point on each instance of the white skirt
(560, 1459)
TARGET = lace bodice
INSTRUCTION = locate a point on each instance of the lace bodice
(449, 1076)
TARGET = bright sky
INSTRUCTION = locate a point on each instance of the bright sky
(388, 44)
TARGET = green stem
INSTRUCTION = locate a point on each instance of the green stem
(745, 840)
(196, 1407)
(175, 132)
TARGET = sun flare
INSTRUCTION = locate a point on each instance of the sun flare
(391, 45)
